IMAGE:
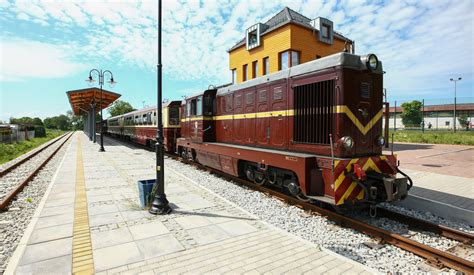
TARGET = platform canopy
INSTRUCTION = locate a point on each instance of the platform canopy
(82, 99)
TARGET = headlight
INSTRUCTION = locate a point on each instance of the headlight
(348, 142)
(370, 61)
(380, 141)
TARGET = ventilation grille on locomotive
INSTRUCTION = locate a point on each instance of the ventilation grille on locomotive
(314, 109)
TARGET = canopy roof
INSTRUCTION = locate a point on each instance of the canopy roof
(82, 99)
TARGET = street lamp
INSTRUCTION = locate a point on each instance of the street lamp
(160, 204)
(455, 80)
(101, 75)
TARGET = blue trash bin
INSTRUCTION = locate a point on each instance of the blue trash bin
(144, 189)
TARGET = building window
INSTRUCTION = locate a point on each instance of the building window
(253, 36)
(325, 31)
(234, 76)
(295, 58)
(284, 62)
(244, 73)
(447, 123)
(289, 59)
(266, 65)
(254, 69)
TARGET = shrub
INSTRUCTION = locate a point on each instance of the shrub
(40, 131)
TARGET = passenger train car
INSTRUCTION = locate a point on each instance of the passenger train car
(314, 129)
(140, 126)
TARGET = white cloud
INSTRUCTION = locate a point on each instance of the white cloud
(23, 59)
(415, 39)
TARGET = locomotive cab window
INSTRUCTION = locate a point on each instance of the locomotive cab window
(188, 108)
(199, 106)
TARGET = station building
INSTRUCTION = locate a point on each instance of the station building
(287, 39)
(439, 116)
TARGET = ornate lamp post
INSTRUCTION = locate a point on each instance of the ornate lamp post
(101, 75)
(455, 80)
(160, 204)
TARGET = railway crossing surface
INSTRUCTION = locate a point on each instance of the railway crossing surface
(90, 221)
(443, 179)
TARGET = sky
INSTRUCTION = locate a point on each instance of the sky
(49, 47)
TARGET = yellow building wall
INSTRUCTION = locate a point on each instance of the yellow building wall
(306, 42)
(271, 44)
(292, 37)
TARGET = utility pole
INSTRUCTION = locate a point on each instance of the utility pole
(454, 122)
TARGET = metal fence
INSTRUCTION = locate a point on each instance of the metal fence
(437, 114)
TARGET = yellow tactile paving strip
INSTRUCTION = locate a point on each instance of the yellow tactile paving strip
(82, 259)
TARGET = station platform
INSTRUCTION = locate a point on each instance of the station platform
(443, 179)
(90, 221)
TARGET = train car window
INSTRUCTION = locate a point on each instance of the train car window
(137, 120)
(149, 118)
(208, 105)
(249, 98)
(238, 100)
(144, 119)
(154, 118)
(262, 96)
(188, 108)
(199, 106)
(173, 115)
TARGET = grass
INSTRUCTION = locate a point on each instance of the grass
(434, 137)
(14, 150)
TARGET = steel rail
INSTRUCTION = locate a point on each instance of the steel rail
(12, 194)
(450, 233)
(15, 165)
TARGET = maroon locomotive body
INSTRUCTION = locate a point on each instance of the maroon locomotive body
(314, 129)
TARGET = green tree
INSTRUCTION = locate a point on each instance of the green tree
(463, 121)
(61, 122)
(37, 121)
(119, 108)
(412, 115)
(76, 122)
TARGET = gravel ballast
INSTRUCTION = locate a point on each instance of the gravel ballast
(15, 220)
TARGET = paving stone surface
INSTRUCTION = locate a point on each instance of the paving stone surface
(204, 233)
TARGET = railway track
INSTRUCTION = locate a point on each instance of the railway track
(11, 193)
(432, 255)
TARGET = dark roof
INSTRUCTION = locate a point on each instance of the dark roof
(284, 17)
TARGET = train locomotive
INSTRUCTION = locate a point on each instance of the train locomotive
(314, 130)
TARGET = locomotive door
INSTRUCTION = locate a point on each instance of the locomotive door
(262, 122)
(278, 119)
(365, 141)
(227, 123)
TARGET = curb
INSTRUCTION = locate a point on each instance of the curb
(447, 211)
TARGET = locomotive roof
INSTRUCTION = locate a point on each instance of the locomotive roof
(342, 59)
